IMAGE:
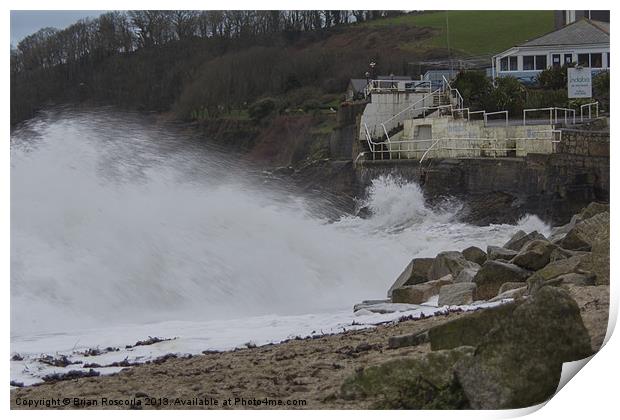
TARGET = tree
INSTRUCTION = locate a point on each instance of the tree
(553, 78)
(475, 88)
(508, 95)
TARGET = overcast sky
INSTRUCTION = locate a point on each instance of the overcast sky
(26, 22)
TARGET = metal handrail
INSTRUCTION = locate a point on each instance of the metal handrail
(409, 108)
(428, 150)
(375, 85)
(461, 110)
(589, 110)
(435, 142)
(553, 111)
(486, 114)
(459, 98)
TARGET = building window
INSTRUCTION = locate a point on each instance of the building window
(568, 59)
(608, 61)
(555, 60)
(541, 62)
(583, 60)
(596, 60)
(503, 64)
(514, 64)
(528, 62)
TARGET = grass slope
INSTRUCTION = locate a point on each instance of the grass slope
(476, 32)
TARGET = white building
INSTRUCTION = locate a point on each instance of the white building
(584, 42)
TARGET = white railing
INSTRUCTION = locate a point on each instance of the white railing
(478, 146)
(389, 85)
(553, 114)
(485, 115)
(461, 110)
(476, 112)
(412, 107)
(450, 90)
(589, 106)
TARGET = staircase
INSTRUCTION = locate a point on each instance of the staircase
(440, 102)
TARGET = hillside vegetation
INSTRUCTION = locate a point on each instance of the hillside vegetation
(475, 32)
(242, 65)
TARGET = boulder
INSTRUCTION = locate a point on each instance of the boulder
(560, 232)
(511, 285)
(521, 238)
(553, 270)
(562, 254)
(534, 255)
(499, 253)
(420, 293)
(585, 233)
(408, 340)
(447, 279)
(425, 382)
(457, 294)
(468, 330)
(578, 279)
(515, 294)
(519, 363)
(466, 275)
(494, 274)
(593, 209)
(597, 261)
(416, 272)
(449, 262)
(475, 255)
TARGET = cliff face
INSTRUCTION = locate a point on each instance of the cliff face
(281, 141)
(503, 190)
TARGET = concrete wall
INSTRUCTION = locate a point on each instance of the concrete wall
(384, 106)
(458, 138)
(584, 143)
(552, 186)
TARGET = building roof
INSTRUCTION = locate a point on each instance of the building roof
(581, 32)
(392, 77)
(437, 74)
(358, 85)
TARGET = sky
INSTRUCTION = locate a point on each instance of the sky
(26, 22)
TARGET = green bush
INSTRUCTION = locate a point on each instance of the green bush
(508, 95)
(539, 98)
(553, 78)
(600, 88)
(475, 88)
(262, 108)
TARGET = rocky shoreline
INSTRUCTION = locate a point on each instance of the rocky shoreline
(551, 303)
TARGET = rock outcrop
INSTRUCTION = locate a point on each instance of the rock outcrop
(475, 255)
(493, 274)
(416, 272)
(534, 255)
(425, 382)
(449, 262)
(499, 253)
(521, 238)
(457, 294)
(519, 363)
(469, 330)
(509, 355)
(585, 233)
(420, 293)
(466, 275)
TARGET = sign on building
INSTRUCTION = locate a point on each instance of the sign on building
(579, 82)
